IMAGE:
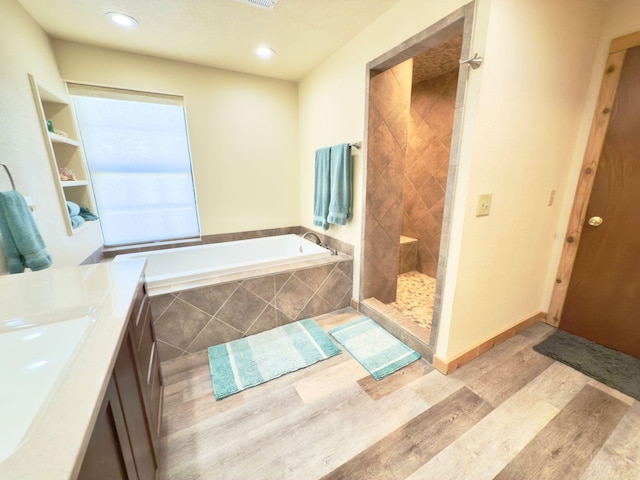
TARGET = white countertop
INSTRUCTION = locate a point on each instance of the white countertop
(53, 446)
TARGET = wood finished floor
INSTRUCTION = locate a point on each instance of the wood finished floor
(510, 414)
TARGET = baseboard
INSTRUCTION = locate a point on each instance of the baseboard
(447, 367)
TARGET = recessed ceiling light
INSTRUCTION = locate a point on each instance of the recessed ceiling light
(264, 52)
(122, 19)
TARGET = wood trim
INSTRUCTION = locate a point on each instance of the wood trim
(624, 43)
(447, 367)
(595, 142)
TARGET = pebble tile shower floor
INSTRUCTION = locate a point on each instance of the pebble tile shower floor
(415, 297)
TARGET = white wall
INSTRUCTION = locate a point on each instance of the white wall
(538, 59)
(523, 110)
(242, 129)
(25, 48)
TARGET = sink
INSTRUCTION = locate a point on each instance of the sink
(35, 353)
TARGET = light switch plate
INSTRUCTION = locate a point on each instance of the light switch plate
(484, 204)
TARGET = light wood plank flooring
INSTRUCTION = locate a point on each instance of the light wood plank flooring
(509, 414)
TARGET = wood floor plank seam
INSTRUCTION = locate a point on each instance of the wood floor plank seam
(405, 450)
(568, 443)
(514, 373)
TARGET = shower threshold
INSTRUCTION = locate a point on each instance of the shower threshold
(400, 326)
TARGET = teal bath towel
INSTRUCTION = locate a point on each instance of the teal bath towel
(73, 208)
(75, 214)
(23, 245)
(87, 214)
(341, 204)
(76, 220)
(322, 187)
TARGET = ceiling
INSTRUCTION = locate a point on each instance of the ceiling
(216, 33)
(438, 60)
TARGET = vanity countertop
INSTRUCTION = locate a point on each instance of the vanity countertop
(79, 316)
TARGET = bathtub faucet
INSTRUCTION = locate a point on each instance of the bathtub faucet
(318, 241)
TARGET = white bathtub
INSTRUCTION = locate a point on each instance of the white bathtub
(177, 269)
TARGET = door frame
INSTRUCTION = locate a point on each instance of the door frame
(595, 142)
(461, 19)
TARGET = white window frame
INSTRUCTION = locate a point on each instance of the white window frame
(88, 90)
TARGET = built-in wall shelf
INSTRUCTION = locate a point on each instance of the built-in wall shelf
(74, 183)
(64, 152)
(51, 96)
(55, 138)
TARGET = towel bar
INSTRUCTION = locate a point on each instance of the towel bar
(6, 169)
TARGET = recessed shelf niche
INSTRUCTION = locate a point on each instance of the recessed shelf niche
(64, 151)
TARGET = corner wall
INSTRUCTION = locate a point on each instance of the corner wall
(25, 48)
(389, 107)
(433, 105)
(538, 57)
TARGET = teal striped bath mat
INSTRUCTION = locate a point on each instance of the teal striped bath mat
(379, 352)
(256, 359)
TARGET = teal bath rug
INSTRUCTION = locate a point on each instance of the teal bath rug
(250, 361)
(379, 352)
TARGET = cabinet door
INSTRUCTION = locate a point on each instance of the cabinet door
(130, 392)
(109, 455)
(149, 367)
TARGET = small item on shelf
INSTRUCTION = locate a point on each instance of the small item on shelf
(50, 126)
(66, 174)
(62, 133)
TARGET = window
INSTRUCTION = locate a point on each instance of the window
(137, 152)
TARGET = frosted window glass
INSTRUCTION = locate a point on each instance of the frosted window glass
(140, 168)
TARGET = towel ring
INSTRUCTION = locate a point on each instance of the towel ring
(6, 169)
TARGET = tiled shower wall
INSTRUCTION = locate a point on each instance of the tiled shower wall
(389, 104)
(426, 165)
(195, 319)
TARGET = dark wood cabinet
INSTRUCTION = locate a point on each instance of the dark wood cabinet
(109, 455)
(124, 442)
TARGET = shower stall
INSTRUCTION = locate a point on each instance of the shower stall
(416, 95)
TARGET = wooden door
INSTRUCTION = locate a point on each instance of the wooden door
(603, 297)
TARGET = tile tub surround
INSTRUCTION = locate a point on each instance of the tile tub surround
(193, 320)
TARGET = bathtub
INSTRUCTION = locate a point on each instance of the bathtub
(181, 268)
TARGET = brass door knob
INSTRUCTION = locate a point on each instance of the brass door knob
(595, 221)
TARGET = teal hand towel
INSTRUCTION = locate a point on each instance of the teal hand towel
(341, 204)
(322, 187)
(23, 245)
